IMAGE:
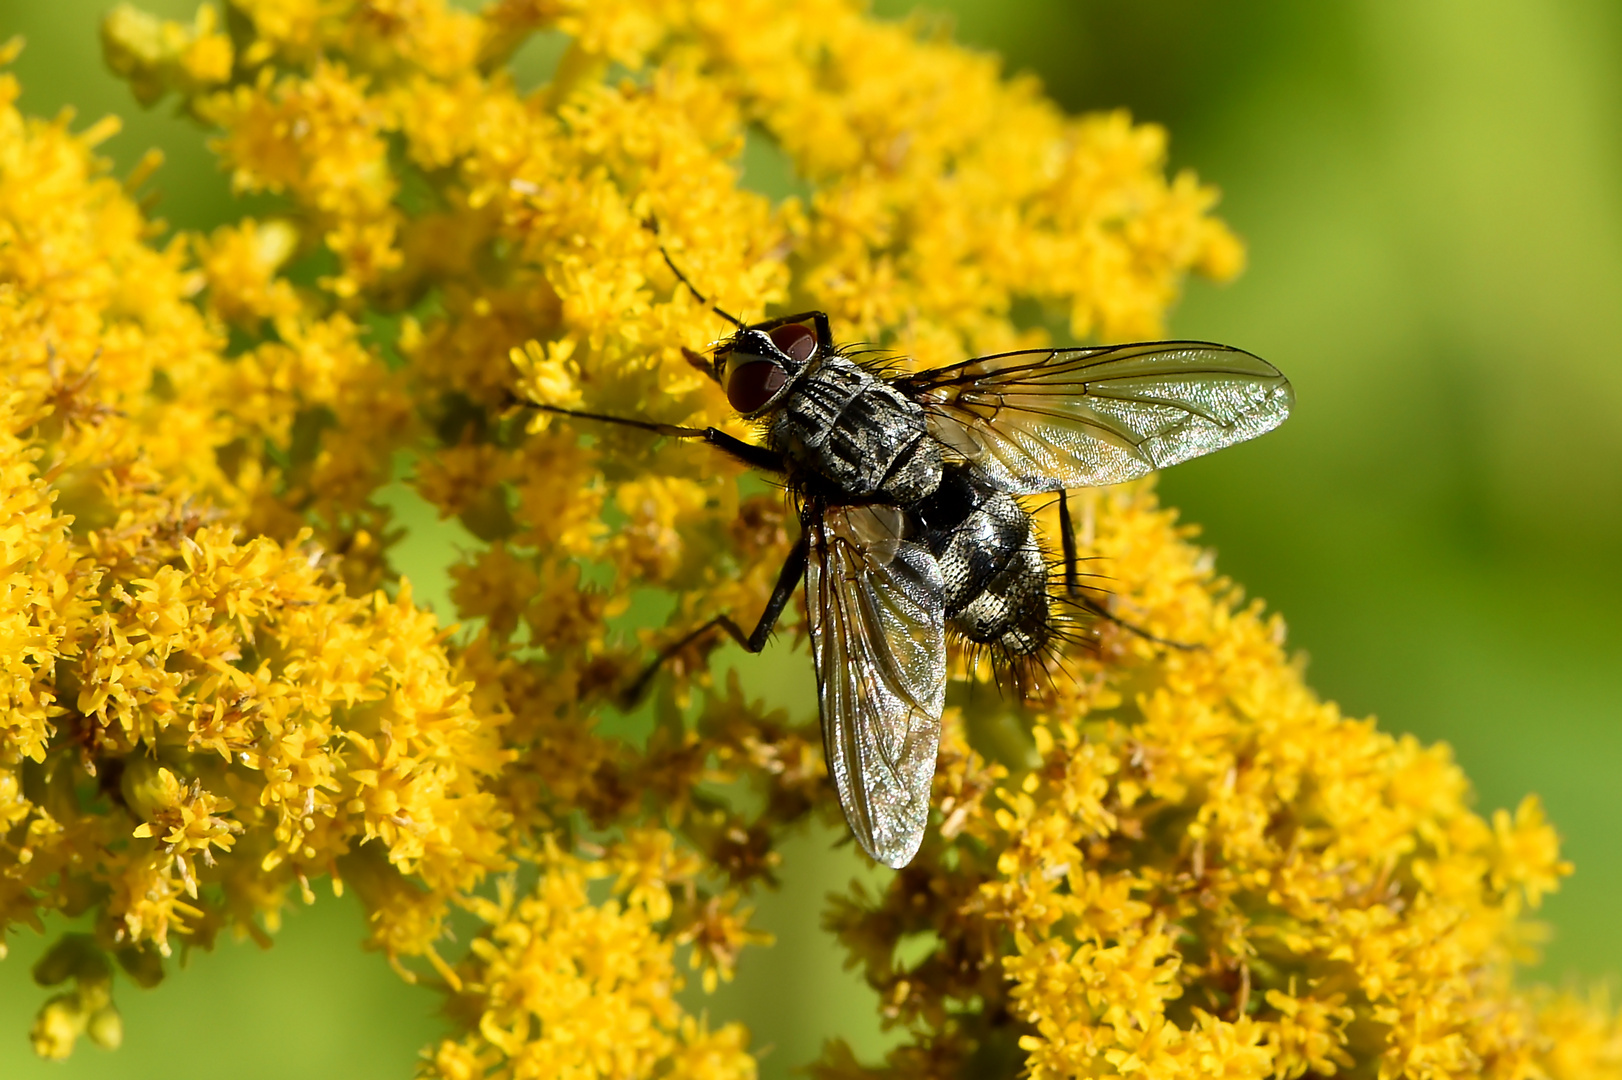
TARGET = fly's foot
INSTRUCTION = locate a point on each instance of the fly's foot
(633, 692)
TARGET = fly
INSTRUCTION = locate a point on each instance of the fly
(910, 526)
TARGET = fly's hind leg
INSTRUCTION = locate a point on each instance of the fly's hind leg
(1073, 590)
(1067, 543)
(793, 570)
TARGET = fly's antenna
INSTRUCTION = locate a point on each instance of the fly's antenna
(653, 227)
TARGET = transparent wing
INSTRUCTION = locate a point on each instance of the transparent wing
(1064, 418)
(878, 632)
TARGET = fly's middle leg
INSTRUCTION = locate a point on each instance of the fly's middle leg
(789, 577)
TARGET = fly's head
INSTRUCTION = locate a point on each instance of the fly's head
(760, 364)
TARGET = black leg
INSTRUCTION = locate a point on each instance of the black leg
(1105, 613)
(1072, 584)
(1067, 542)
(793, 570)
(756, 457)
(652, 225)
(787, 578)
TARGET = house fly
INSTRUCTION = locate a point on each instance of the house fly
(911, 530)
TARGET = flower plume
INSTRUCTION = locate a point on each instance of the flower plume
(221, 693)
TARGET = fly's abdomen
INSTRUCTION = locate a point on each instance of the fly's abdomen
(1011, 609)
(865, 439)
(995, 576)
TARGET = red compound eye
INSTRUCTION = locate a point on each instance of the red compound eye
(796, 341)
(751, 386)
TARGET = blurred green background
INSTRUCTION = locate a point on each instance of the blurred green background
(1432, 197)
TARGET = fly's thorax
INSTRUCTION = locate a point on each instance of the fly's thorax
(995, 576)
(857, 434)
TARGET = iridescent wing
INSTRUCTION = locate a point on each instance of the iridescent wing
(878, 633)
(1065, 418)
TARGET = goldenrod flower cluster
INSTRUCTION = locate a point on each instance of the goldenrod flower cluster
(1171, 863)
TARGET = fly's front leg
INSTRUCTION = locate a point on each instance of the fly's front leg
(756, 457)
(759, 457)
(793, 570)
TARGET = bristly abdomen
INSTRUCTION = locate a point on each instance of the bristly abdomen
(995, 574)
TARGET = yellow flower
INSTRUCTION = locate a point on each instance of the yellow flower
(218, 690)
(1527, 852)
(564, 987)
(1311, 1034)
(157, 55)
(241, 263)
